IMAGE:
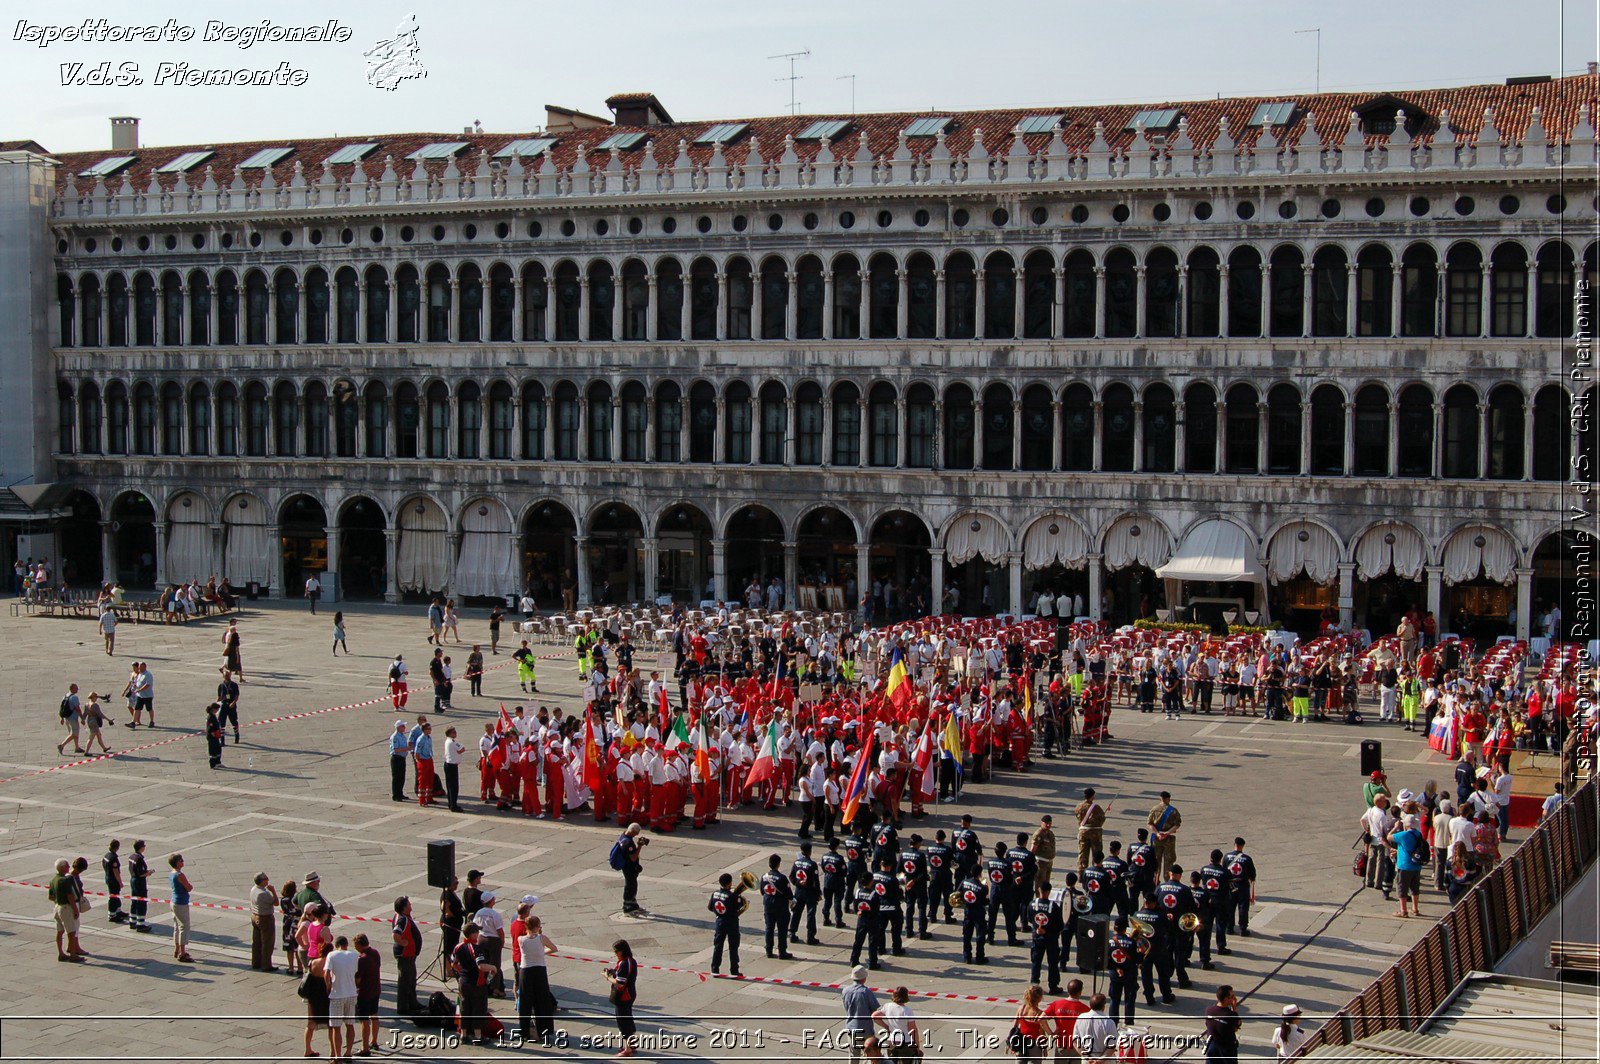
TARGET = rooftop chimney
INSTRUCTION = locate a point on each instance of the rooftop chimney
(125, 133)
(1594, 67)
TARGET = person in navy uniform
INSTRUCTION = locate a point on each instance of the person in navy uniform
(869, 930)
(1218, 884)
(806, 880)
(997, 870)
(968, 850)
(914, 885)
(1122, 960)
(855, 862)
(1158, 959)
(940, 869)
(886, 888)
(886, 844)
(1116, 870)
(1141, 871)
(1202, 936)
(1242, 883)
(1066, 897)
(724, 909)
(1044, 923)
(1097, 885)
(1174, 900)
(835, 878)
(974, 918)
(776, 894)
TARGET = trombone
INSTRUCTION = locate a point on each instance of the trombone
(747, 881)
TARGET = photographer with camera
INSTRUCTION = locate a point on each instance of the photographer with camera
(625, 859)
(624, 977)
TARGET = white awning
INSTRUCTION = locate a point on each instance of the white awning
(1215, 550)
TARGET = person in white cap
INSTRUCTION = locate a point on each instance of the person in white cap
(859, 1005)
(1289, 1036)
(492, 929)
(399, 754)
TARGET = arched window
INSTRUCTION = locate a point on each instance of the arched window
(1038, 425)
(1205, 293)
(144, 311)
(316, 287)
(1038, 295)
(408, 312)
(1243, 430)
(66, 418)
(1374, 291)
(1116, 429)
(436, 437)
(1463, 280)
(1372, 432)
(1077, 429)
(1552, 439)
(774, 423)
(1509, 270)
(702, 423)
(227, 308)
(348, 304)
(811, 292)
(960, 298)
(535, 301)
(89, 414)
(285, 420)
(1078, 301)
(89, 310)
(669, 423)
(439, 298)
(469, 420)
(883, 426)
(1159, 426)
(703, 300)
(999, 427)
(285, 307)
(199, 308)
(376, 398)
(568, 418)
(736, 423)
(66, 310)
(116, 418)
(1122, 294)
(346, 419)
(199, 427)
(600, 417)
(846, 298)
(117, 311)
(569, 301)
(1461, 426)
(635, 422)
(144, 418)
(1506, 420)
(502, 303)
(883, 282)
(999, 297)
(1283, 430)
(808, 424)
(407, 419)
(846, 425)
(920, 426)
(1327, 431)
(376, 280)
(1244, 292)
(774, 298)
(922, 296)
(635, 300)
(1330, 285)
(469, 304)
(171, 309)
(602, 299)
(316, 407)
(1288, 289)
(257, 415)
(1161, 293)
(227, 419)
(1419, 290)
(669, 300)
(959, 428)
(1555, 290)
(535, 419)
(741, 297)
(1415, 432)
(1200, 429)
(171, 419)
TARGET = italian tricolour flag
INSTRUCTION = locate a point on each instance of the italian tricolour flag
(766, 763)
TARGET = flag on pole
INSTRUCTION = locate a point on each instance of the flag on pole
(924, 761)
(680, 733)
(665, 710)
(856, 788)
(1027, 697)
(898, 689)
(952, 741)
(702, 750)
(766, 762)
(591, 757)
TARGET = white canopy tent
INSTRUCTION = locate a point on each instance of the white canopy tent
(1215, 551)
(971, 535)
(1055, 539)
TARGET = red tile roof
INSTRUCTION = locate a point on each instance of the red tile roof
(1558, 100)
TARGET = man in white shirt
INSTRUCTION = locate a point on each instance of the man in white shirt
(1094, 1036)
(313, 591)
(1552, 803)
(339, 969)
(492, 928)
(1378, 822)
(1500, 786)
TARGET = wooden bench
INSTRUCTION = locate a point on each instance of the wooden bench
(1575, 956)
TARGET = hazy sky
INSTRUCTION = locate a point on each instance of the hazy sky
(500, 61)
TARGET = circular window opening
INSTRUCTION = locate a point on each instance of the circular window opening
(961, 217)
(469, 231)
(1465, 205)
(89, 245)
(1245, 211)
(774, 222)
(1375, 207)
(569, 227)
(1120, 212)
(1419, 206)
(227, 240)
(438, 232)
(669, 225)
(885, 219)
(1510, 204)
(144, 243)
(920, 219)
(347, 236)
(407, 234)
(847, 219)
(535, 230)
(286, 238)
(501, 230)
(1000, 216)
(171, 241)
(255, 240)
(1161, 212)
(1556, 204)
(61, 247)
(635, 226)
(704, 224)
(602, 227)
(1202, 211)
(116, 243)
(376, 236)
(740, 223)
(810, 220)
(1330, 208)
(1287, 209)
(1040, 216)
(315, 236)
(198, 241)
(1080, 214)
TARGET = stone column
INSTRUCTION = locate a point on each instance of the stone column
(453, 546)
(723, 309)
(791, 574)
(1347, 594)
(1396, 289)
(827, 430)
(1096, 590)
(938, 435)
(1096, 463)
(1223, 322)
(936, 602)
(583, 318)
(1305, 437)
(719, 438)
(1305, 300)
(1485, 299)
(1261, 438)
(391, 319)
(1099, 303)
(652, 565)
(1180, 434)
(302, 311)
(864, 298)
(616, 427)
(902, 430)
(758, 303)
(1139, 290)
(391, 539)
(108, 553)
(1138, 437)
(827, 305)
(1438, 441)
(981, 304)
(1524, 602)
(864, 420)
(902, 307)
(685, 305)
(585, 591)
(274, 573)
(1266, 298)
(1394, 441)
(719, 569)
(1527, 440)
(651, 310)
(331, 534)
(1056, 437)
(1016, 433)
(791, 309)
(1349, 439)
(940, 322)
(1014, 565)
(863, 571)
(616, 308)
(1183, 300)
(1351, 309)
(1531, 298)
(1019, 303)
(1221, 464)
(1483, 441)
(1435, 577)
(214, 554)
(453, 313)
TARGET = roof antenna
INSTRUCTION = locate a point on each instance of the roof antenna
(1318, 31)
(852, 79)
(794, 106)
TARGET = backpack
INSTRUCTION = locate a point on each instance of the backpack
(66, 708)
(619, 855)
(394, 673)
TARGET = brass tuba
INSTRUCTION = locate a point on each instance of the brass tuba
(1189, 923)
(747, 881)
(1140, 928)
(955, 900)
(1082, 904)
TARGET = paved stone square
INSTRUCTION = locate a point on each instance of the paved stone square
(312, 792)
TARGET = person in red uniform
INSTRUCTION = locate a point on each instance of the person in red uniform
(555, 782)
(1473, 727)
(605, 793)
(528, 770)
(508, 770)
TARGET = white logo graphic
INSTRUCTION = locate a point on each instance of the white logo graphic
(395, 60)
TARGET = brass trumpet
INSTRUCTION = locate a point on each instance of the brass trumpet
(1140, 928)
(955, 900)
(1189, 923)
(747, 881)
(1082, 904)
